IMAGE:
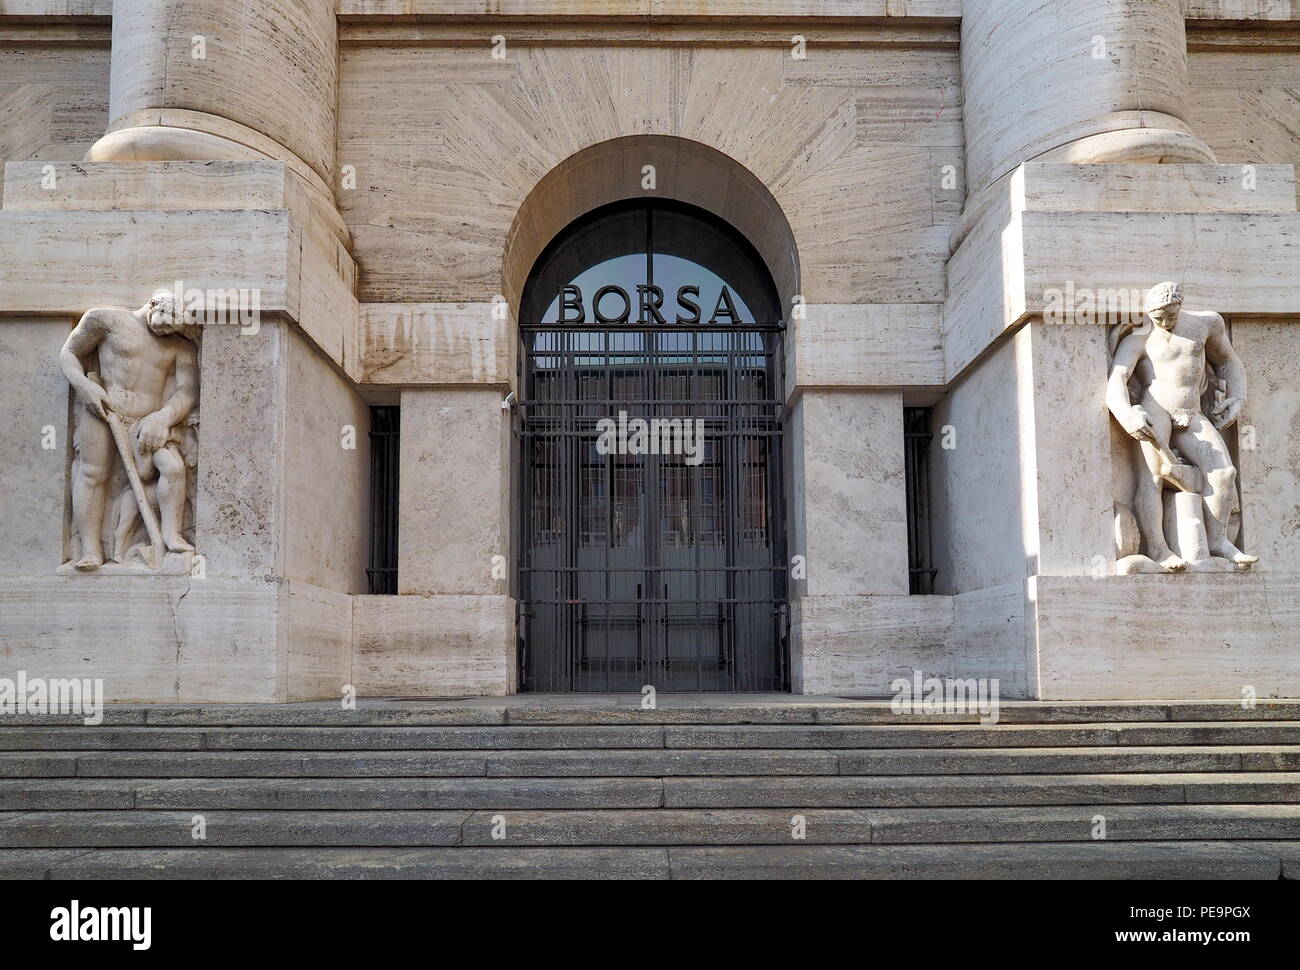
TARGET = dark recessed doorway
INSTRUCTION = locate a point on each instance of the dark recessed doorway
(651, 541)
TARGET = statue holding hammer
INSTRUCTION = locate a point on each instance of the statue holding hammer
(134, 408)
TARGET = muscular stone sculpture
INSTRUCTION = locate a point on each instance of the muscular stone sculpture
(147, 386)
(1166, 359)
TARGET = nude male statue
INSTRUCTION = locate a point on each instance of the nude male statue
(148, 375)
(1169, 359)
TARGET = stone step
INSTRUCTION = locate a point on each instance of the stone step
(1011, 761)
(615, 709)
(336, 863)
(360, 764)
(490, 794)
(752, 826)
(1085, 860)
(1123, 823)
(844, 826)
(887, 791)
(1036, 861)
(329, 793)
(540, 737)
(327, 739)
(156, 829)
(980, 736)
(640, 827)
(649, 762)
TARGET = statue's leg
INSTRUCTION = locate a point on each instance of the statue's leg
(96, 452)
(1149, 504)
(144, 463)
(171, 497)
(1205, 447)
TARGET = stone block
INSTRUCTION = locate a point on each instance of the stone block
(859, 645)
(1194, 636)
(179, 639)
(864, 346)
(435, 343)
(33, 479)
(851, 496)
(455, 487)
(447, 646)
(138, 226)
(1054, 227)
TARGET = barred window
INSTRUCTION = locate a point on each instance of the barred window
(916, 436)
(385, 424)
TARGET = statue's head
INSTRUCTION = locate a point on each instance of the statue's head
(161, 313)
(1163, 303)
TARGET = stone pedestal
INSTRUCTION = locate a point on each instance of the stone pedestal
(1195, 636)
(280, 485)
(1038, 464)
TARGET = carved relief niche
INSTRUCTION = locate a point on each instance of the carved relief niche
(135, 381)
(1176, 388)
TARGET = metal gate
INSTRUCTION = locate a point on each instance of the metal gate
(645, 566)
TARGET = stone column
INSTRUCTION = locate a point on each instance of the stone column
(226, 80)
(1079, 81)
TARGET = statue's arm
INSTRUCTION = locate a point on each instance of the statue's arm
(1229, 369)
(185, 390)
(1132, 418)
(154, 429)
(85, 337)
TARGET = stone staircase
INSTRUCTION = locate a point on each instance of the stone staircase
(703, 787)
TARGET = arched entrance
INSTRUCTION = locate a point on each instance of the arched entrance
(651, 517)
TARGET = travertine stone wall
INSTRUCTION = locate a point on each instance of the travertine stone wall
(452, 169)
(1048, 226)
(279, 493)
(1244, 10)
(1073, 517)
(651, 10)
(866, 345)
(981, 535)
(1245, 91)
(437, 343)
(1196, 636)
(452, 645)
(33, 439)
(326, 472)
(851, 142)
(53, 96)
(859, 644)
(1270, 468)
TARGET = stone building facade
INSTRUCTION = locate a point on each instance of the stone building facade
(959, 209)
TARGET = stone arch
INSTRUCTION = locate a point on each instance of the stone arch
(685, 170)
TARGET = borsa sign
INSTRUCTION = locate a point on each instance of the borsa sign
(612, 305)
